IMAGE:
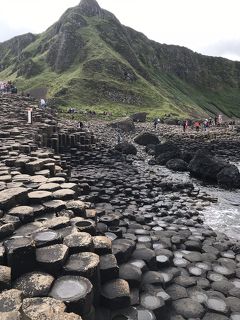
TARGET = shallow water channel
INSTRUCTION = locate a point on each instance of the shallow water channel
(224, 215)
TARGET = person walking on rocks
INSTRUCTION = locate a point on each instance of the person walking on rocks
(197, 125)
(185, 125)
(155, 123)
(43, 103)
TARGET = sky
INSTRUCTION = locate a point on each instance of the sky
(210, 27)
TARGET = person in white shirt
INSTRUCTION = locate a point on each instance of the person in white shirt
(42, 103)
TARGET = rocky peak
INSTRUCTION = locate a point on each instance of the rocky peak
(90, 8)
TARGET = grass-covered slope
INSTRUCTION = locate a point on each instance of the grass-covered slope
(89, 60)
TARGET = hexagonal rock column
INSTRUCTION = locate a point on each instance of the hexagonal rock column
(5, 278)
(20, 255)
(46, 238)
(109, 269)
(39, 196)
(79, 242)
(34, 284)
(24, 213)
(52, 258)
(78, 207)
(76, 292)
(10, 300)
(102, 245)
(153, 303)
(115, 294)
(86, 226)
(85, 264)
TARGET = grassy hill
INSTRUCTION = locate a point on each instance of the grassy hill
(89, 60)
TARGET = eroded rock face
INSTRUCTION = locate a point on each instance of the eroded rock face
(90, 8)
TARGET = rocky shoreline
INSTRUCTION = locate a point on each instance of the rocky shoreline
(89, 233)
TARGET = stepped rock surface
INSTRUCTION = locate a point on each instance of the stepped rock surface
(88, 232)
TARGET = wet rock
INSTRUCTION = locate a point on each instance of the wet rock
(76, 292)
(229, 177)
(46, 238)
(205, 167)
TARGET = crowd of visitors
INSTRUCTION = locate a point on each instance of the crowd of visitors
(8, 87)
(205, 124)
(200, 125)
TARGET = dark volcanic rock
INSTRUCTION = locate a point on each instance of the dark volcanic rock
(229, 177)
(205, 167)
(126, 148)
(146, 138)
(177, 165)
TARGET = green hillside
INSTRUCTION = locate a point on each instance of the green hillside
(88, 59)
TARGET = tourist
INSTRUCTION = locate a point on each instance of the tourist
(185, 125)
(197, 125)
(80, 125)
(220, 119)
(205, 124)
(43, 103)
(156, 122)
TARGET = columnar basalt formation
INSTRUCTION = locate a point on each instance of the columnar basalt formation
(113, 240)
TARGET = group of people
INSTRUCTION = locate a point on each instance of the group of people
(8, 87)
(207, 123)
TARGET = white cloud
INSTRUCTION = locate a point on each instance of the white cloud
(196, 24)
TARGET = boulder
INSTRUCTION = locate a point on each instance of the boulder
(163, 158)
(125, 125)
(206, 167)
(167, 147)
(139, 117)
(146, 138)
(126, 148)
(177, 165)
(229, 177)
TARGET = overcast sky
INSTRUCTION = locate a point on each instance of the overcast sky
(210, 27)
